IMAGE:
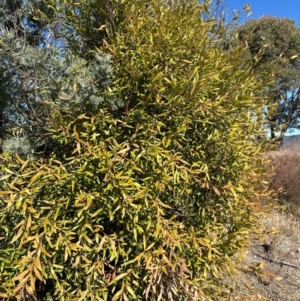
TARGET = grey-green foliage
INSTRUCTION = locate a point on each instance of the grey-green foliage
(36, 80)
(20, 145)
(83, 83)
(21, 17)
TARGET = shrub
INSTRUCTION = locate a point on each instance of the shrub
(150, 197)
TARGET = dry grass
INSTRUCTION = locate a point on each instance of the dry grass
(287, 176)
(271, 266)
(276, 277)
(274, 273)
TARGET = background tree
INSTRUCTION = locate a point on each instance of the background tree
(278, 43)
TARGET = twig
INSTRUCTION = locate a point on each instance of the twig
(277, 261)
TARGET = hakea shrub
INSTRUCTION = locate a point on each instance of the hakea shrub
(153, 192)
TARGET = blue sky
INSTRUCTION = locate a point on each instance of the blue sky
(278, 8)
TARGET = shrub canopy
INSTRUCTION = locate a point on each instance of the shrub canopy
(155, 189)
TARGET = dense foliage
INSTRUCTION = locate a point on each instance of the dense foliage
(156, 177)
(277, 41)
